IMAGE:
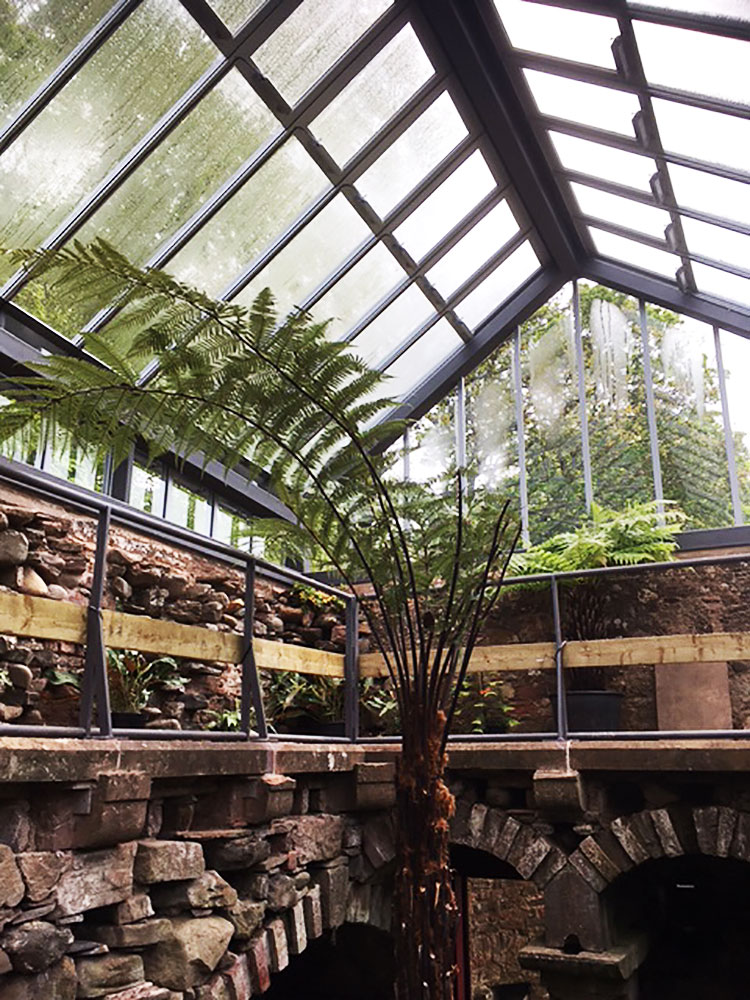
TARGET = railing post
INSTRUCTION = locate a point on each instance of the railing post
(351, 671)
(95, 664)
(562, 706)
(251, 690)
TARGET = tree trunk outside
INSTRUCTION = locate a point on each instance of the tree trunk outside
(425, 906)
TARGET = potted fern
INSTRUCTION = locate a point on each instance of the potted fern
(644, 532)
(131, 679)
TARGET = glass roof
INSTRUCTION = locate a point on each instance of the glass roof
(330, 150)
(324, 152)
(649, 146)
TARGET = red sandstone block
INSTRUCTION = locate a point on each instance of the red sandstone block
(258, 961)
(238, 975)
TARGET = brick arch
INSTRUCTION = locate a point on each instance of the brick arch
(530, 853)
(630, 841)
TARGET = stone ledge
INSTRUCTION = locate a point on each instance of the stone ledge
(616, 964)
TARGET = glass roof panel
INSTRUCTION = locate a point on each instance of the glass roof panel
(311, 256)
(695, 61)
(184, 170)
(577, 101)
(556, 31)
(255, 216)
(446, 206)
(366, 104)
(311, 39)
(719, 244)
(359, 291)
(636, 254)
(621, 211)
(704, 192)
(97, 118)
(479, 244)
(498, 286)
(420, 360)
(393, 327)
(598, 160)
(706, 135)
(717, 8)
(421, 147)
(34, 41)
(722, 284)
(234, 13)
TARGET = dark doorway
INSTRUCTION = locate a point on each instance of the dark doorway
(355, 962)
(695, 911)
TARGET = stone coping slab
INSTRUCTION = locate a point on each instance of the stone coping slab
(39, 759)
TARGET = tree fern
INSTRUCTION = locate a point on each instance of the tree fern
(181, 372)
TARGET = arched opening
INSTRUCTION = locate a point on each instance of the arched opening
(355, 960)
(694, 911)
(500, 914)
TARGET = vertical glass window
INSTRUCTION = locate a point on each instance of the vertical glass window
(689, 419)
(432, 442)
(188, 509)
(735, 354)
(147, 490)
(98, 118)
(74, 465)
(491, 431)
(232, 529)
(311, 39)
(615, 398)
(552, 424)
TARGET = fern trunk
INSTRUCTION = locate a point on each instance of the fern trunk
(425, 906)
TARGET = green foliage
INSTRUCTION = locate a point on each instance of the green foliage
(275, 393)
(289, 695)
(132, 678)
(641, 533)
(482, 707)
(58, 678)
(228, 720)
(317, 599)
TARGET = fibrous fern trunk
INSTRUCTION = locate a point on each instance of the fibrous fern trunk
(425, 906)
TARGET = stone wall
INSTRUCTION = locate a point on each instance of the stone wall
(46, 551)
(688, 600)
(184, 887)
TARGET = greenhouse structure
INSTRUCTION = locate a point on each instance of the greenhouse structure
(374, 499)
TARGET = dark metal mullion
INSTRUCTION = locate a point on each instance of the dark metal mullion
(452, 301)
(323, 93)
(630, 234)
(416, 275)
(600, 77)
(394, 219)
(351, 671)
(734, 485)
(628, 60)
(203, 215)
(263, 23)
(619, 141)
(413, 269)
(67, 70)
(95, 686)
(252, 692)
(125, 168)
(633, 194)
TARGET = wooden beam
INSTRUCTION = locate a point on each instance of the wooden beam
(42, 618)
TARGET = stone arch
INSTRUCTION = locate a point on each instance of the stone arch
(629, 841)
(528, 852)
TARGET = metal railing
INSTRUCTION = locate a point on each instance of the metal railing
(94, 683)
(94, 713)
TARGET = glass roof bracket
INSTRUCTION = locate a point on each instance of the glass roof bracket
(67, 70)
(628, 61)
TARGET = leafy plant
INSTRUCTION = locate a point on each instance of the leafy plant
(58, 678)
(482, 706)
(132, 678)
(317, 598)
(228, 720)
(278, 396)
(640, 533)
